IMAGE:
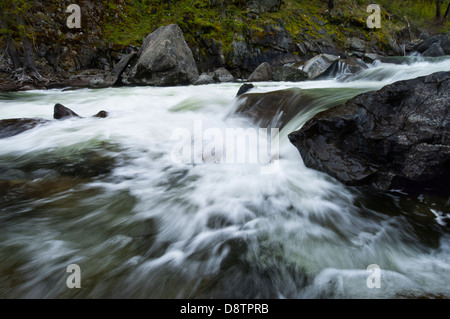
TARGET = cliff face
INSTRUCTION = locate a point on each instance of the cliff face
(236, 34)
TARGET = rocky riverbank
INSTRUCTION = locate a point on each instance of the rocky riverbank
(252, 40)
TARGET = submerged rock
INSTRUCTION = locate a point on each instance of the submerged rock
(101, 114)
(272, 109)
(11, 127)
(397, 137)
(14, 190)
(60, 112)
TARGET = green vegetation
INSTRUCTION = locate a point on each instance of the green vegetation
(16, 29)
(421, 12)
(127, 22)
(25, 24)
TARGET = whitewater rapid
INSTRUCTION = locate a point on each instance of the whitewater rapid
(154, 228)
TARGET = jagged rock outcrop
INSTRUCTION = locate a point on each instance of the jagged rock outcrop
(397, 137)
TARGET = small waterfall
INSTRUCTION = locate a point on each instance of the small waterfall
(403, 47)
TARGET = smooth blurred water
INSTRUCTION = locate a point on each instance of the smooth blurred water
(106, 194)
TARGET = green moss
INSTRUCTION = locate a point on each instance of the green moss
(128, 22)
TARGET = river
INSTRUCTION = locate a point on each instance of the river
(108, 196)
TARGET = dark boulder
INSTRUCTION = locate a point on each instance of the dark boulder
(397, 137)
(114, 76)
(11, 127)
(442, 40)
(61, 112)
(426, 44)
(434, 50)
(244, 88)
(101, 114)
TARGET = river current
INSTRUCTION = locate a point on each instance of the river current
(108, 196)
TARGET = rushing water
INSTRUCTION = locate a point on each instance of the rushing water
(106, 194)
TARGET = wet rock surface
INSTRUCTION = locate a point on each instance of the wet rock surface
(397, 137)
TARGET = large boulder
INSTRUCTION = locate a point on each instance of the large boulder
(434, 50)
(262, 73)
(164, 60)
(319, 65)
(61, 112)
(442, 40)
(426, 44)
(222, 75)
(397, 137)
